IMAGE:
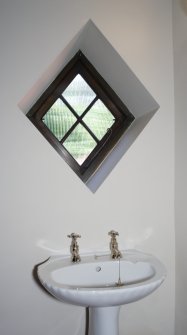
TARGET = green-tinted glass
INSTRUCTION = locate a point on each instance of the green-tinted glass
(80, 144)
(99, 119)
(59, 119)
(79, 94)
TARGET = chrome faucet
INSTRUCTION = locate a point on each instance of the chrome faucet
(74, 248)
(115, 253)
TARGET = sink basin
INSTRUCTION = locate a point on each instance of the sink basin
(99, 281)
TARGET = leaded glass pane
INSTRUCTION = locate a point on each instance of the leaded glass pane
(79, 94)
(80, 144)
(99, 119)
(59, 119)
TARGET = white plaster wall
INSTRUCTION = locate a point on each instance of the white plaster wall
(180, 62)
(42, 200)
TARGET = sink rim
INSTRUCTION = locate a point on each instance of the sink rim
(51, 264)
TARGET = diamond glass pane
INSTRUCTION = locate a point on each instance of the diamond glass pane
(79, 94)
(79, 144)
(59, 119)
(99, 119)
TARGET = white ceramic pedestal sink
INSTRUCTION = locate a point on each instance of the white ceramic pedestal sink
(102, 284)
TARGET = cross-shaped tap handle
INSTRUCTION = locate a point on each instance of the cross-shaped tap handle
(74, 236)
(113, 233)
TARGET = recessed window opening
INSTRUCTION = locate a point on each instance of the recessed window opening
(81, 116)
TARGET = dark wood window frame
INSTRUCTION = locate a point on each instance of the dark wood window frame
(79, 64)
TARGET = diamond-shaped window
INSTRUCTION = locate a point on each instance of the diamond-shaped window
(81, 116)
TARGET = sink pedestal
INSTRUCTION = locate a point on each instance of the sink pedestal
(104, 320)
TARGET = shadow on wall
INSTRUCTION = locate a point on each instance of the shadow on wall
(184, 6)
(36, 279)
